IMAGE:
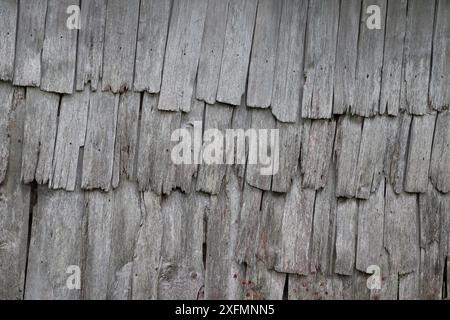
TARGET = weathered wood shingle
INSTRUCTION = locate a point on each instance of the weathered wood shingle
(8, 23)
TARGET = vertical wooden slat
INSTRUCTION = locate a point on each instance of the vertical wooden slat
(8, 23)
(440, 156)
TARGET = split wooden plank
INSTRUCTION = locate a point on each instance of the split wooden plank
(236, 51)
(440, 72)
(14, 210)
(59, 53)
(155, 169)
(396, 156)
(151, 44)
(440, 156)
(433, 244)
(125, 147)
(346, 233)
(147, 248)
(98, 242)
(263, 54)
(348, 138)
(418, 47)
(371, 157)
(324, 227)
(296, 231)
(56, 244)
(181, 274)
(288, 78)
(223, 273)
(290, 136)
(346, 56)
(393, 57)
(30, 41)
(182, 54)
(317, 149)
(90, 44)
(212, 170)
(263, 284)
(370, 63)
(6, 101)
(212, 50)
(73, 118)
(39, 135)
(321, 37)
(263, 153)
(122, 18)
(249, 219)
(191, 121)
(408, 286)
(369, 247)
(101, 131)
(419, 153)
(8, 23)
(126, 221)
(401, 231)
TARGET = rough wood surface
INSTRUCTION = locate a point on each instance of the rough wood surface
(182, 54)
(8, 22)
(440, 157)
(6, 101)
(119, 51)
(151, 44)
(346, 229)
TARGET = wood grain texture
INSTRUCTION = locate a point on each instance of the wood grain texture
(182, 54)
(263, 54)
(59, 52)
(14, 210)
(440, 156)
(6, 101)
(236, 51)
(288, 80)
(154, 18)
(98, 158)
(321, 37)
(119, 51)
(8, 22)
(39, 135)
(29, 43)
(70, 137)
(346, 233)
(212, 50)
(90, 44)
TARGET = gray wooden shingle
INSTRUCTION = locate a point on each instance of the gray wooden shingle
(6, 100)
(263, 284)
(90, 44)
(321, 37)
(236, 51)
(154, 18)
(126, 144)
(71, 134)
(14, 210)
(346, 233)
(155, 169)
(182, 54)
(30, 40)
(348, 139)
(370, 62)
(288, 79)
(119, 51)
(263, 54)
(212, 50)
(440, 156)
(401, 231)
(59, 52)
(101, 131)
(419, 153)
(346, 56)
(417, 55)
(8, 23)
(393, 57)
(39, 135)
(296, 231)
(440, 72)
(317, 149)
(210, 175)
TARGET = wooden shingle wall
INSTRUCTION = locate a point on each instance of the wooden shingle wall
(86, 178)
